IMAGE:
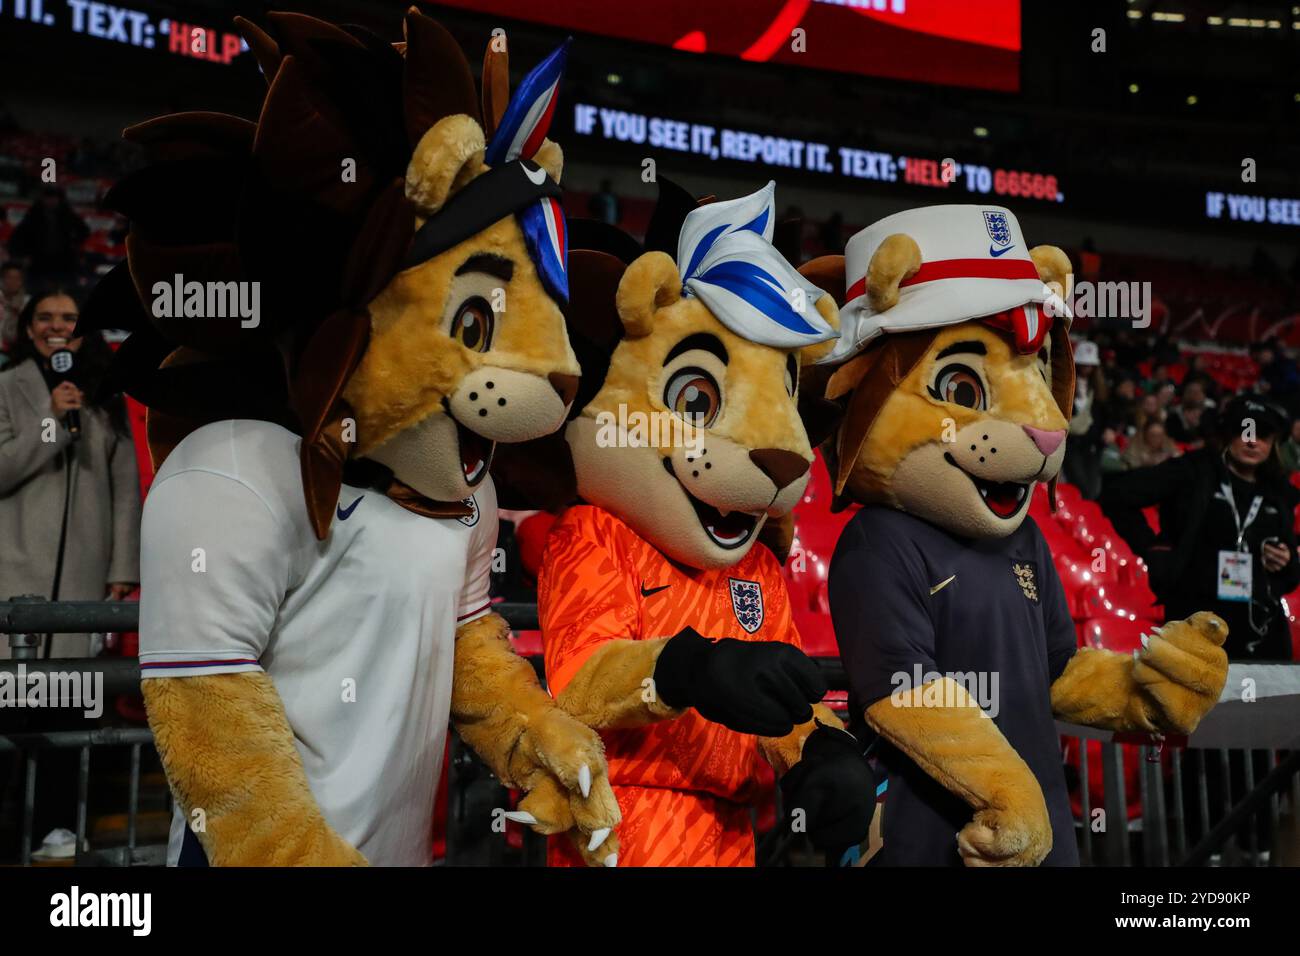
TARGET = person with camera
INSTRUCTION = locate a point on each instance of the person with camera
(1226, 542)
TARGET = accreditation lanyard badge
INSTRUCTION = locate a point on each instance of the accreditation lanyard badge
(1235, 578)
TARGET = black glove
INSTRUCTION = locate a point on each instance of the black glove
(753, 687)
(835, 788)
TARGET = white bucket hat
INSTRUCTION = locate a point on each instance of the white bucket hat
(1086, 353)
(974, 263)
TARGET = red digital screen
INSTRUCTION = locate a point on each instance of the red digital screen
(972, 43)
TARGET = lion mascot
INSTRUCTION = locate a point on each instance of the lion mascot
(665, 621)
(318, 539)
(955, 371)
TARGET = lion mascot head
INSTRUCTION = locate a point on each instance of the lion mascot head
(954, 366)
(406, 248)
(688, 423)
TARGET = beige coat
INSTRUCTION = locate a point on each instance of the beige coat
(103, 543)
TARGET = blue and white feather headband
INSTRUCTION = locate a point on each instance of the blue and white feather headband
(726, 259)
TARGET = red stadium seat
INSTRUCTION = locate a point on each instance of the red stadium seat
(527, 643)
(816, 531)
(1085, 518)
(1060, 541)
(816, 527)
(1130, 602)
(1040, 508)
(1152, 514)
(1065, 512)
(1068, 493)
(1118, 634)
(1104, 543)
(817, 634)
(1290, 605)
(1077, 572)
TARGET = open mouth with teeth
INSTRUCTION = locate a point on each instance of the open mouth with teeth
(1003, 498)
(475, 453)
(727, 530)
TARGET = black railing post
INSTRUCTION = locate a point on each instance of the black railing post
(24, 646)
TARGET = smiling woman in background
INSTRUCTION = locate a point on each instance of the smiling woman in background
(69, 489)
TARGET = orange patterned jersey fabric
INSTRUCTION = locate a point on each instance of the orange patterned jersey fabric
(683, 785)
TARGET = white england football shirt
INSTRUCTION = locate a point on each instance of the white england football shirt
(356, 631)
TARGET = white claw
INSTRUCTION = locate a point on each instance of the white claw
(1146, 642)
(611, 860)
(584, 780)
(521, 816)
(597, 838)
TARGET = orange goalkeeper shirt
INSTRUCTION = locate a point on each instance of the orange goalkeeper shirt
(601, 581)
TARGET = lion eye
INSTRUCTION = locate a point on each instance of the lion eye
(692, 394)
(959, 385)
(472, 326)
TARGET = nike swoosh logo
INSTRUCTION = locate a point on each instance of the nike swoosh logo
(346, 513)
(999, 252)
(943, 584)
(646, 592)
(537, 176)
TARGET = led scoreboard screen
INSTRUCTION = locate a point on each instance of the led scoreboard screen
(845, 160)
(130, 26)
(973, 43)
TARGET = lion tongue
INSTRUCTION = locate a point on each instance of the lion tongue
(1002, 497)
(735, 523)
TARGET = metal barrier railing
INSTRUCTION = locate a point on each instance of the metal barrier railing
(1163, 827)
(30, 744)
(1230, 779)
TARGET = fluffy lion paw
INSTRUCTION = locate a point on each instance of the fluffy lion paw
(1006, 838)
(567, 784)
(1182, 669)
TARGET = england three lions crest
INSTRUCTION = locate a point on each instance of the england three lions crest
(1027, 577)
(470, 519)
(747, 602)
(998, 228)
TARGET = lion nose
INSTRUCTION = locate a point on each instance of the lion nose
(565, 385)
(1047, 441)
(781, 466)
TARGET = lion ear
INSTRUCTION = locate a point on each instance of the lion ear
(897, 258)
(846, 378)
(495, 83)
(1053, 267)
(827, 274)
(826, 308)
(550, 157)
(447, 157)
(650, 283)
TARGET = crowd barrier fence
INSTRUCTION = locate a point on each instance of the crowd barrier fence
(1226, 795)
